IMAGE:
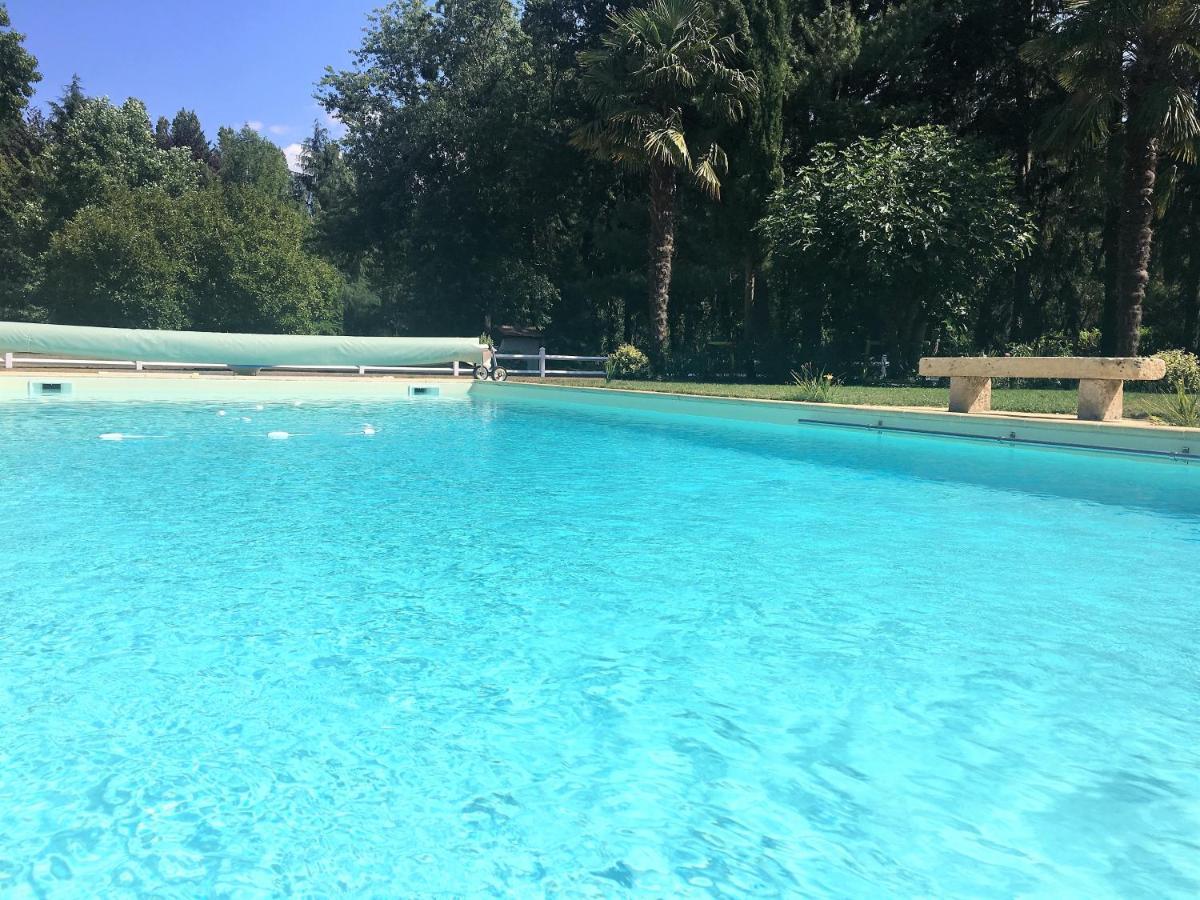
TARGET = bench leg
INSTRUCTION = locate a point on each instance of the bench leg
(1101, 400)
(970, 394)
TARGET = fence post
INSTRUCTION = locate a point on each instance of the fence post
(542, 362)
(455, 368)
(8, 360)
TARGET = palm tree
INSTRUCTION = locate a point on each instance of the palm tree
(661, 79)
(1133, 62)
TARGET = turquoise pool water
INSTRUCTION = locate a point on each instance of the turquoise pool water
(529, 649)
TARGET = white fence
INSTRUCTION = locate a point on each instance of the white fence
(543, 357)
(455, 369)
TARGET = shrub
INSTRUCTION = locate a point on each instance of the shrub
(1051, 344)
(627, 361)
(814, 385)
(1181, 409)
(1089, 342)
(1183, 370)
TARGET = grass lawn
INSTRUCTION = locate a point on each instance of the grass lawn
(1034, 400)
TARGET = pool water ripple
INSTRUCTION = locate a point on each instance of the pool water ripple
(532, 649)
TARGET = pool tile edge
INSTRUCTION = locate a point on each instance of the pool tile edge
(1161, 441)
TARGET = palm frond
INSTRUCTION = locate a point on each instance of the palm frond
(668, 145)
(658, 67)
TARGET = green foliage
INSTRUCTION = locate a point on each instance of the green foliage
(324, 174)
(457, 203)
(453, 140)
(256, 274)
(814, 385)
(250, 160)
(107, 148)
(121, 263)
(22, 205)
(627, 361)
(896, 233)
(1132, 67)
(360, 305)
(186, 132)
(656, 68)
(1088, 343)
(1181, 408)
(1052, 344)
(18, 74)
(1103, 51)
(22, 221)
(1183, 370)
(215, 259)
(661, 79)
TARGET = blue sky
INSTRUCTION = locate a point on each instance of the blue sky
(254, 61)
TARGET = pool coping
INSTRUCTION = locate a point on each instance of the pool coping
(90, 384)
(1038, 429)
(1041, 429)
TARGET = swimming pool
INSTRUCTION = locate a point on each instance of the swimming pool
(531, 647)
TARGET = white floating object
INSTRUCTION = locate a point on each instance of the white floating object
(220, 412)
(259, 407)
(368, 429)
(297, 402)
(112, 436)
(278, 435)
(245, 418)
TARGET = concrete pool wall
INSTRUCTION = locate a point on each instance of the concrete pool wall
(1047, 430)
(76, 385)
(1182, 444)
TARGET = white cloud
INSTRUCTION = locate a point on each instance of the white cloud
(254, 126)
(280, 129)
(293, 152)
(336, 127)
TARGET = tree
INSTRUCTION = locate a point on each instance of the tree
(187, 132)
(896, 234)
(661, 75)
(456, 146)
(756, 151)
(120, 263)
(219, 259)
(18, 75)
(66, 107)
(1136, 61)
(162, 133)
(249, 159)
(324, 174)
(256, 271)
(22, 215)
(104, 147)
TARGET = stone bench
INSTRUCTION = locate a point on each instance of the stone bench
(1101, 379)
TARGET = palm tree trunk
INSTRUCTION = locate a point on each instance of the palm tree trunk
(662, 254)
(1109, 327)
(1111, 182)
(749, 319)
(1136, 231)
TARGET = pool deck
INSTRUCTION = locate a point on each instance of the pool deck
(1043, 429)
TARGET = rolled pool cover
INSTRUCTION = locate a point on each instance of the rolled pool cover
(236, 350)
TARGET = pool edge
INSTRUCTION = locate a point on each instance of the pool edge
(1172, 442)
(201, 387)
